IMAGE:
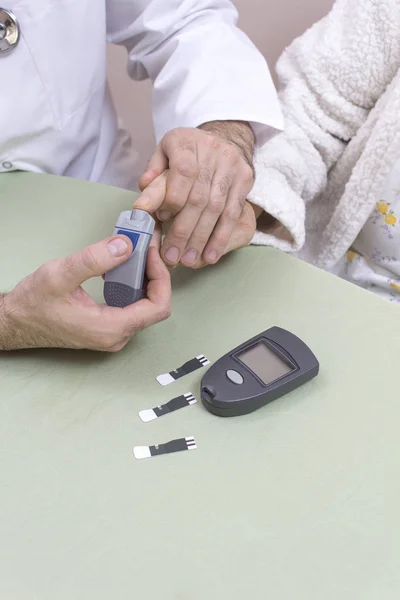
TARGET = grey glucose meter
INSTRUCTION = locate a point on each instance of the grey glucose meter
(257, 372)
(124, 285)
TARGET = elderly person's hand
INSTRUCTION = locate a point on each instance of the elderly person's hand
(199, 179)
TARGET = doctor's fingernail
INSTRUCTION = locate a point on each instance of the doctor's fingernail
(190, 257)
(117, 247)
(172, 255)
(164, 215)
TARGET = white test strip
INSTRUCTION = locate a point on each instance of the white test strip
(175, 404)
(189, 367)
(180, 445)
(165, 379)
(147, 415)
(141, 452)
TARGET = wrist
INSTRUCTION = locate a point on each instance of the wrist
(238, 133)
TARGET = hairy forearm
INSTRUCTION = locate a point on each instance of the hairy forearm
(13, 332)
(6, 333)
(239, 133)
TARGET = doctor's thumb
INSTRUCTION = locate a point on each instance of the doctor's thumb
(93, 261)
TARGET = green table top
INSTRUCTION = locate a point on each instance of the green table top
(299, 500)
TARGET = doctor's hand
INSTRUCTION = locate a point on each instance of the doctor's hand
(199, 179)
(49, 308)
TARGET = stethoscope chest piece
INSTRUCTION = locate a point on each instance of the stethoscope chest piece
(9, 31)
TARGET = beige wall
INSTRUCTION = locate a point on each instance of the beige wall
(271, 24)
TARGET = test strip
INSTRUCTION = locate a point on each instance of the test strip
(169, 407)
(180, 445)
(188, 367)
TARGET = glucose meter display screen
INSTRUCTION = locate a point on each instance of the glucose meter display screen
(265, 363)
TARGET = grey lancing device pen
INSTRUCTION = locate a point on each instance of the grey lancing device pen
(124, 284)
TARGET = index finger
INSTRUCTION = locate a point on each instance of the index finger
(183, 160)
(153, 196)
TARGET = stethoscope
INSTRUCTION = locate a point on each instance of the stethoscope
(9, 31)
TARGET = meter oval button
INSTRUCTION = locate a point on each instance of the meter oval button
(235, 377)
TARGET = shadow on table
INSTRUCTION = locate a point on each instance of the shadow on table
(72, 357)
(183, 277)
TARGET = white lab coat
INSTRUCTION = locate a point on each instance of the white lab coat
(56, 112)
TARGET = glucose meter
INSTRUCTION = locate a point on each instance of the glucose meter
(124, 285)
(259, 371)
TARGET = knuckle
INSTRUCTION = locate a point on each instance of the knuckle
(165, 312)
(241, 201)
(216, 205)
(231, 153)
(174, 201)
(179, 233)
(231, 215)
(173, 135)
(199, 240)
(45, 272)
(225, 184)
(198, 197)
(47, 276)
(154, 188)
(211, 141)
(187, 169)
(89, 260)
(247, 174)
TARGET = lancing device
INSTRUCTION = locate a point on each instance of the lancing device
(124, 285)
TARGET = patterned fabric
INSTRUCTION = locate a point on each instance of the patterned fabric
(374, 260)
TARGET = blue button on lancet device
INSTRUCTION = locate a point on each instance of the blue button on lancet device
(124, 285)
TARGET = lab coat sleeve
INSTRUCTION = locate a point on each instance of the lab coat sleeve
(331, 78)
(203, 67)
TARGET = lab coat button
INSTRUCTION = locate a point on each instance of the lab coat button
(9, 31)
(7, 165)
